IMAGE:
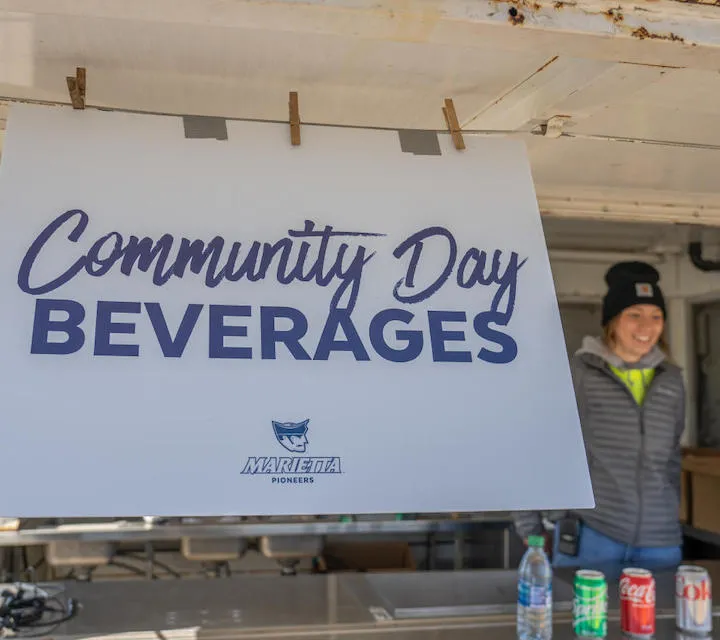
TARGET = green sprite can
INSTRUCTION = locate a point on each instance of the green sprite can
(590, 605)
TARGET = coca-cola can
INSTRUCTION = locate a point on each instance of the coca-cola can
(637, 603)
(693, 600)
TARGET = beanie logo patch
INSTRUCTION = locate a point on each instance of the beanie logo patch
(643, 290)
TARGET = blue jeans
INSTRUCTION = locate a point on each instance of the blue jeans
(597, 551)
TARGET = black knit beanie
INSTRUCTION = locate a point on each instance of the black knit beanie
(630, 283)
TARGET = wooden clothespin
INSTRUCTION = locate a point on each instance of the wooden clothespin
(294, 118)
(76, 87)
(452, 123)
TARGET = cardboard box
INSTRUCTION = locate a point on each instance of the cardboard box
(366, 556)
(705, 502)
(701, 493)
(700, 452)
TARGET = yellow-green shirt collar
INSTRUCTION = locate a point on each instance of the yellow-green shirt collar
(636, 380)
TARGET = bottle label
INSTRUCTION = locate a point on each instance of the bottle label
(534, 597)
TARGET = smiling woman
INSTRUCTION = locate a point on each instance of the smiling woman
(631, 404)
(634, 332)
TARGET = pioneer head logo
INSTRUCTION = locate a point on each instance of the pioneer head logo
(292, 435)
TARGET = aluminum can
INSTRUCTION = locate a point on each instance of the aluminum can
(590, 604)
(693, 600)
(637, 603)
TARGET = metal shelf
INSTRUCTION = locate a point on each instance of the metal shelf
(703, 536)
(123, 531)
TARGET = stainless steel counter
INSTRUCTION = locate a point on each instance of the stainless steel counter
(452, 605)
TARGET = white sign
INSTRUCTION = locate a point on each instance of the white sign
(240, 326)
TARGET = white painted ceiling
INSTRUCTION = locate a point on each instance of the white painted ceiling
(642, 139)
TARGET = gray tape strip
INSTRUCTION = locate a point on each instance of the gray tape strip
(205, 127)
(418, 142)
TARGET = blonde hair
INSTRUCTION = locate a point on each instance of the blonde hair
(608, 337)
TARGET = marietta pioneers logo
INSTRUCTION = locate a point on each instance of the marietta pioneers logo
(294, 469)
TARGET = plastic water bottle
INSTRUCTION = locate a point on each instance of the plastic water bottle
(534, 609)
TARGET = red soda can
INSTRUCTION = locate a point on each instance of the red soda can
(693, 600)
(637, 603)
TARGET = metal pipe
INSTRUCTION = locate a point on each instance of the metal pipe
(696, 257)
(602, 256)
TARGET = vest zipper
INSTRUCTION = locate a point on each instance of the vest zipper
(641, 454)
(639, 473)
